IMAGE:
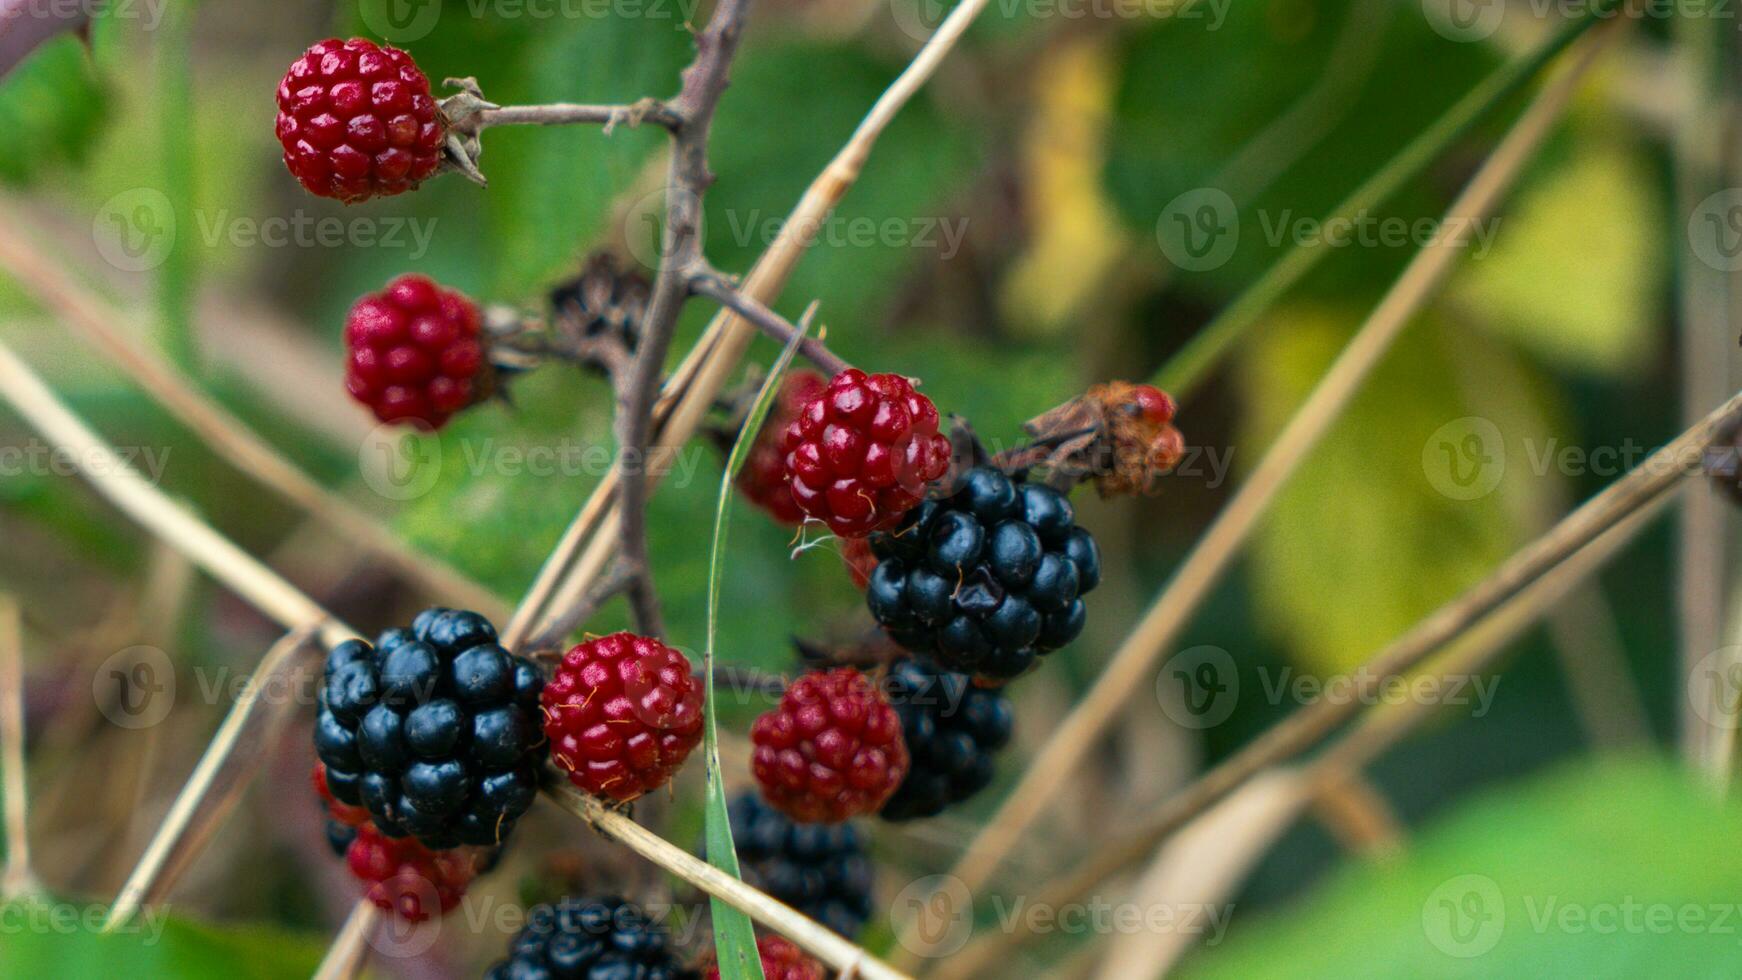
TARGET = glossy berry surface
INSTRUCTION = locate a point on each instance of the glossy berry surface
(415, 353)
(860, 453)
(342, 819)
(830, 750)
(590, 939)
(988, 580)
(823, 870)
(952, 729)
(434, 730)
(763, 481)
(781, 960)
(356, 121)
(407, 878)
(622, 713)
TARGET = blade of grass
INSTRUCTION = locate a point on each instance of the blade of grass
(1192, 364)
(734, 936)
(175, 278)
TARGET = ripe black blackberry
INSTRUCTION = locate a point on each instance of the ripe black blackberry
(590, 939)
(435, 730)
(987, 580)
(822, 870)
(952, 729)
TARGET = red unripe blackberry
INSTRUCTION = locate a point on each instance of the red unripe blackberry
(830, 750)
(622, 713)
(357, 121)
(861, 452)
(781, 960)
(762, 481)
(416, 354)
(408, 879)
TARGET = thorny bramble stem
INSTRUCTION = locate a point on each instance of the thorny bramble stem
(718, 287)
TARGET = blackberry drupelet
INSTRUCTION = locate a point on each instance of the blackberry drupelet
(823, 870)
(590, 939)
(952, 729)
(434, 730)
(987, 580)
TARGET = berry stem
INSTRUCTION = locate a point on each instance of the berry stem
(570, 113)
(16, 881)
(716, 286)
(582, 554)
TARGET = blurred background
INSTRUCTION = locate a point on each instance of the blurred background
(1016, 236)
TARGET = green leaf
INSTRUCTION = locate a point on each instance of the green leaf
(734, 936)
(1617, 868)
(59, 939)
(52, 107)
(1576, 286)
(1370, 534)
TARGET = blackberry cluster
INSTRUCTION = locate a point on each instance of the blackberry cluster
(986, 580)
(952, 729)
(590, 939)
(434, 730)
(823, 870)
